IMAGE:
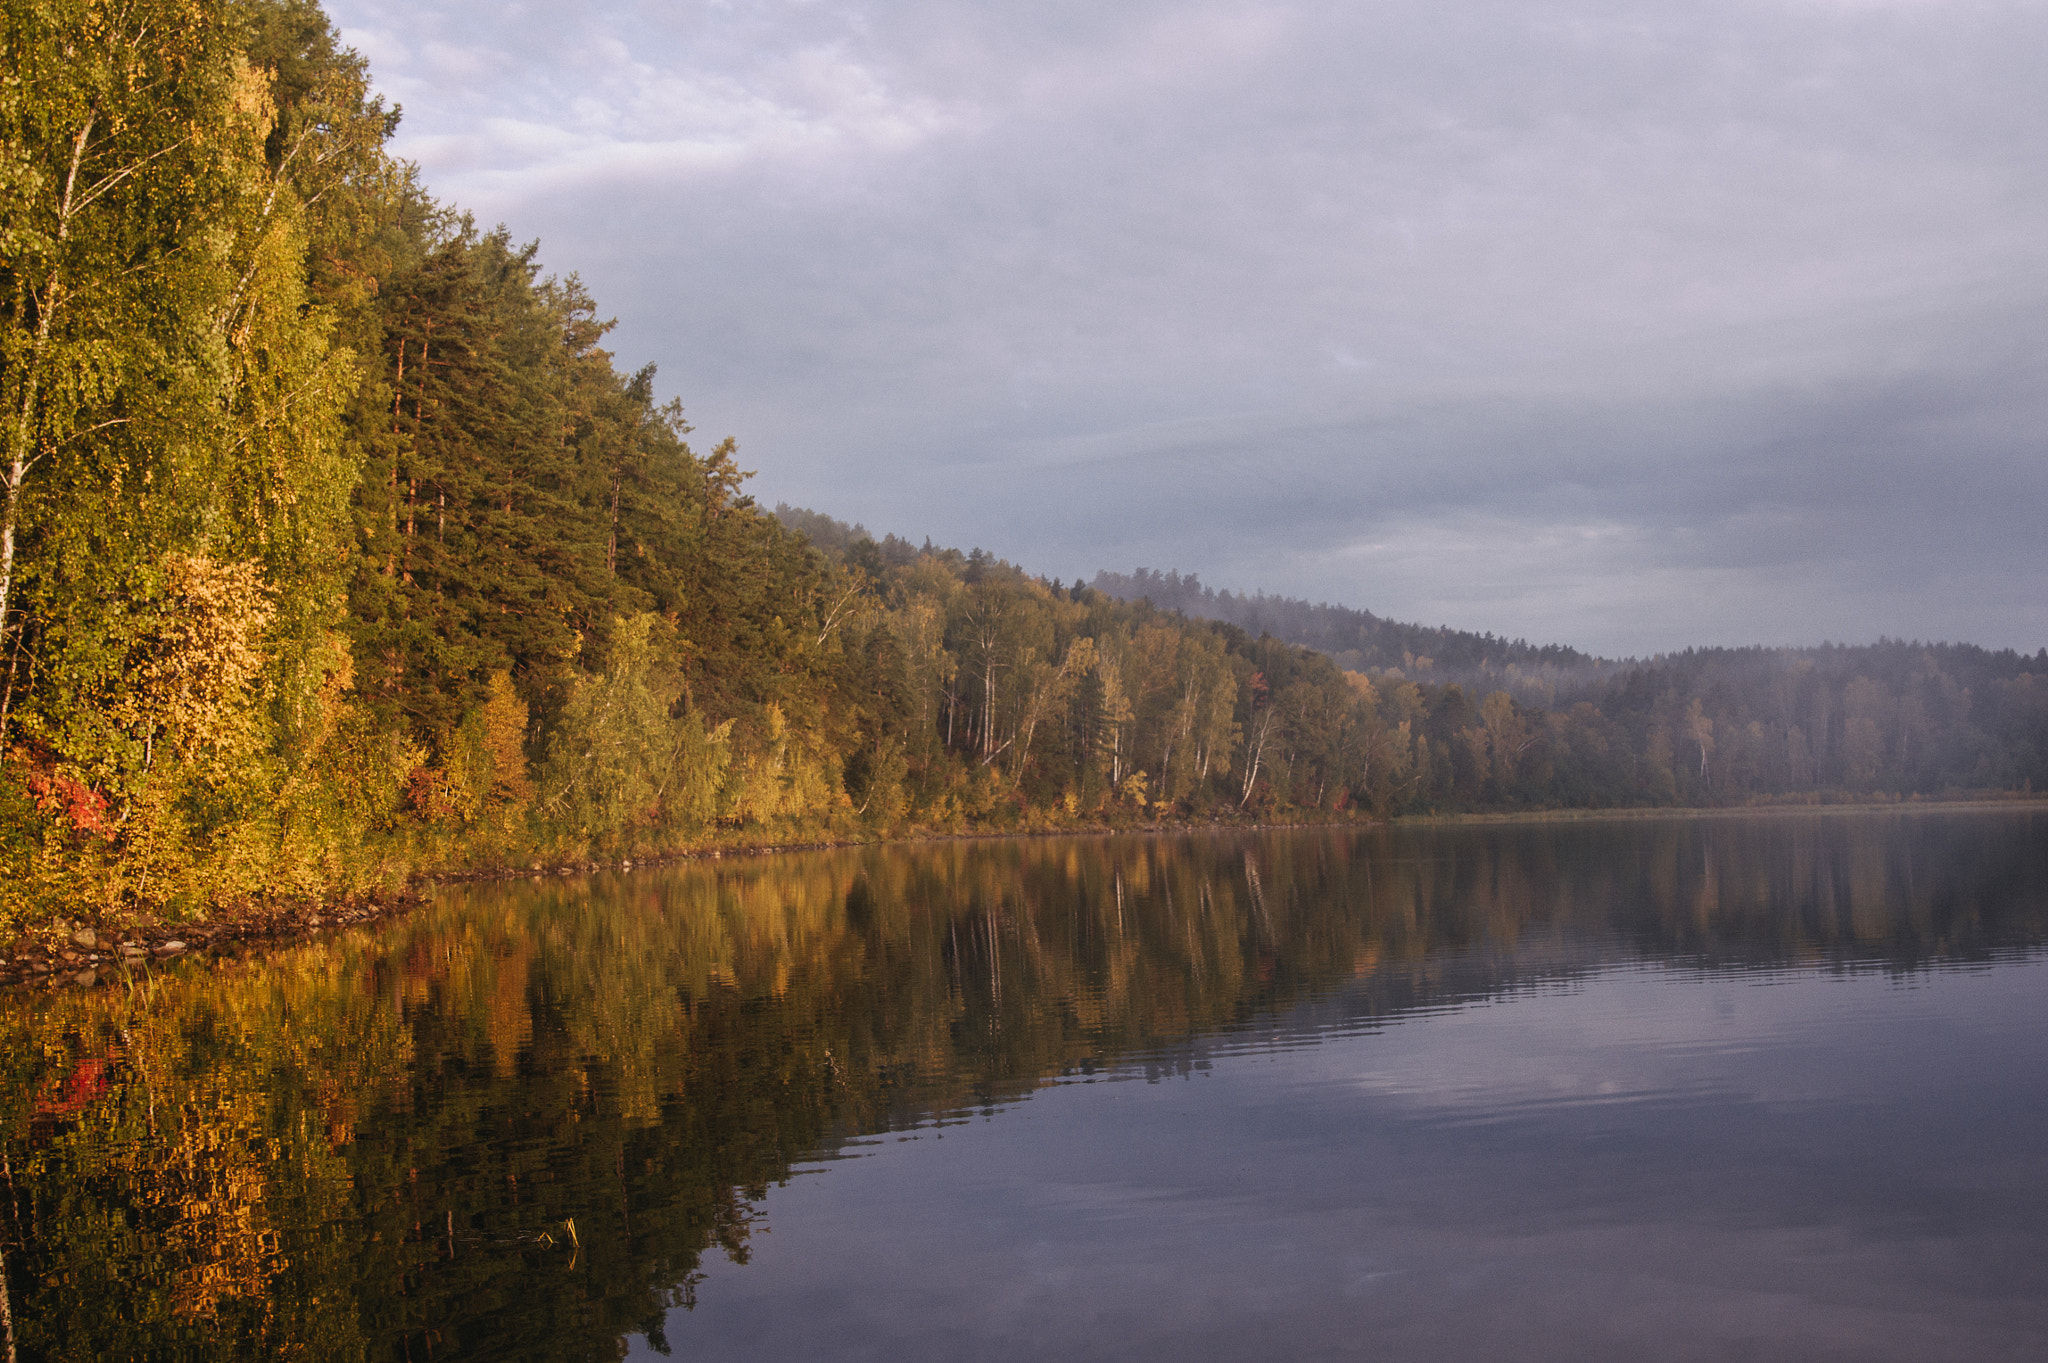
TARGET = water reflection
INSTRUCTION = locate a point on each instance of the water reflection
(517, 1125)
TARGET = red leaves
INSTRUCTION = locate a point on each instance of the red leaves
(427, 794)
(57, 793)
(90, 1080)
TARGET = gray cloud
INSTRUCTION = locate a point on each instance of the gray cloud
(1635, 325)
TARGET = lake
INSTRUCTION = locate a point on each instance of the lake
(1763, 1086)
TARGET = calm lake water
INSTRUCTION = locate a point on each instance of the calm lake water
(1769, 1087)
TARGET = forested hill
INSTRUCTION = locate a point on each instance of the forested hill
(1751, 680)
(335, 547)
(1873, 702)
(1358, 639)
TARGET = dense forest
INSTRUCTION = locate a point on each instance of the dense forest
(336, 547)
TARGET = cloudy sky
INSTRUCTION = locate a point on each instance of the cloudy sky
(1630, 324)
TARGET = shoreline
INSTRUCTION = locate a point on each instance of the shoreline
(85, 955)
(1625, 812)
(81, 955)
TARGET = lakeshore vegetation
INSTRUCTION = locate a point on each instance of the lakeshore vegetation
(335, 547)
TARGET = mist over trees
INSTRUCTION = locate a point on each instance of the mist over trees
(335, 546)
(1703, 726)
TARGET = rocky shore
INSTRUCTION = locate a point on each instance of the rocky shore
(80, 955)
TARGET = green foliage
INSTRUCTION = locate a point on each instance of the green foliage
(619, 758)
(176, 474)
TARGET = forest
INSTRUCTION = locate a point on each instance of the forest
(1890, 719)
(336, 548)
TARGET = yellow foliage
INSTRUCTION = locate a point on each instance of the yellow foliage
(503, 722)
(190, 679)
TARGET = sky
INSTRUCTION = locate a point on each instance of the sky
(1622, 324)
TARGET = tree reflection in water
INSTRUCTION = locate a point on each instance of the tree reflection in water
(512, 1126)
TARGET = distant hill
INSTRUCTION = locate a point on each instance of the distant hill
(1361, 641)
(1338, 630)
(1895, 681)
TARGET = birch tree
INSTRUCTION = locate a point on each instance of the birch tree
(105, 116)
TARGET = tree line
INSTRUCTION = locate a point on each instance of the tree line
(335, 546)
(1705, 726)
